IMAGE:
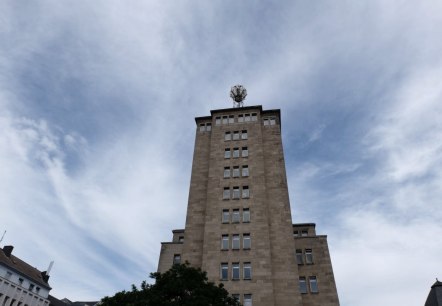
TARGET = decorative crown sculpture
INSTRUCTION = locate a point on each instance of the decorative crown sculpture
(238, 93)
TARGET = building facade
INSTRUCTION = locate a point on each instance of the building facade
(239, 226)
(20, 283)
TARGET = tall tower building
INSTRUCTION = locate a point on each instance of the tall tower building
(239, 226)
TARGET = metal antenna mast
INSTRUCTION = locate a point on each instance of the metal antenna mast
(3, 236)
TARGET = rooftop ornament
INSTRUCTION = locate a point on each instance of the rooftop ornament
(238, 93)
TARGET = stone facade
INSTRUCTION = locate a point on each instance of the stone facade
(239, 226)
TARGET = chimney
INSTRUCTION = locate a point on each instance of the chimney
(45, 276)
(7, 249)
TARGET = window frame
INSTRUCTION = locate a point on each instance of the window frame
(299, 257)
(245, 171)
(244, 152)
(236, 193)
(309, 256)
(226, 173)
(225, 242)
(225, 213)
(224, 270)
(227, 136)
(226, 193)
(246, 212)
(227, 153)
(313, 284)
(246, 239)
(245, 194)
(236, 269)
(236, 242)
(247, 269)
(244, 135)
(236, 218)
(303, 285)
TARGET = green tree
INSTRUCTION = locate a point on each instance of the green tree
(182, 285)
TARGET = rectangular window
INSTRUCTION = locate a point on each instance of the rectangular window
(176, 259)
(313, 284)
(247, 300)
(304, 233)
(226, 216)
(235, 216)
(245, 171)
(8, 275)
(235, 193)
(254, 117)
(295, 234)
(227, 136)
(226, 172)
(235, 242)
(247, 117)
(272, 121)
(31, 287)
(227, 153)
(245, 192)
(299, 257)
(236, 171)
(235, 270)
(181, 239)
(225, 119)
(241, 118)
(246, 241)
(244, 134)
(308, 256)
(247, 270)
(231, 119)
(235, 152)
(245, 215)
(244, 152)
(266, 121)
(208, 127)
(236, 135)
(226, 193)
(224, 271)
(202, 127)
(302, 285)
(224, 242)
(217, 120)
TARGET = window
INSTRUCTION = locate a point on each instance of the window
(235, 193)
(227, 136)
(235, 270)
(295, 233)
(272, 120)
(20, 281)
(247, 117)
(8, 275)
(235, 216)
(224, 271)
(202, 127)
(235, 242)
(226, 216)
(245, 171)
(241, 118)
(313, 284)
(176, 259)
(236, 171)
(181, 239)
(224, 242)
(226, 172)
(254, 117)
(236, 135)
(308, 256)
(208, 127)
(226, 193)
(236, 296)
(231, 119)
(246, 241)
(227, 153)
(299, 257)
(244, 134)
(225, 119)
(245, 215)
(247, 300)
(302, 285)
(266, 121)
(217, 120)
(235, 152)
(304, 233)
(31, 287)
(247, 270)
(244, 152)
(245, 192)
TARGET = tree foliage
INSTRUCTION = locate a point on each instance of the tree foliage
(182, 285)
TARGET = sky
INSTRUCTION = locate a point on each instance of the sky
(97, 107)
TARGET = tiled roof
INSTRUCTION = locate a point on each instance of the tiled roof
(16, 264)
(435, 296)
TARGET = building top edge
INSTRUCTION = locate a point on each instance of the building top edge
(304, 224)
(171, 242)
(239, 110)
(178, 231)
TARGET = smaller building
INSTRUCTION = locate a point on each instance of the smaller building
(435, 296)
(20, 283)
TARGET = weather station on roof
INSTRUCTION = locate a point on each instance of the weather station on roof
(238, 93)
